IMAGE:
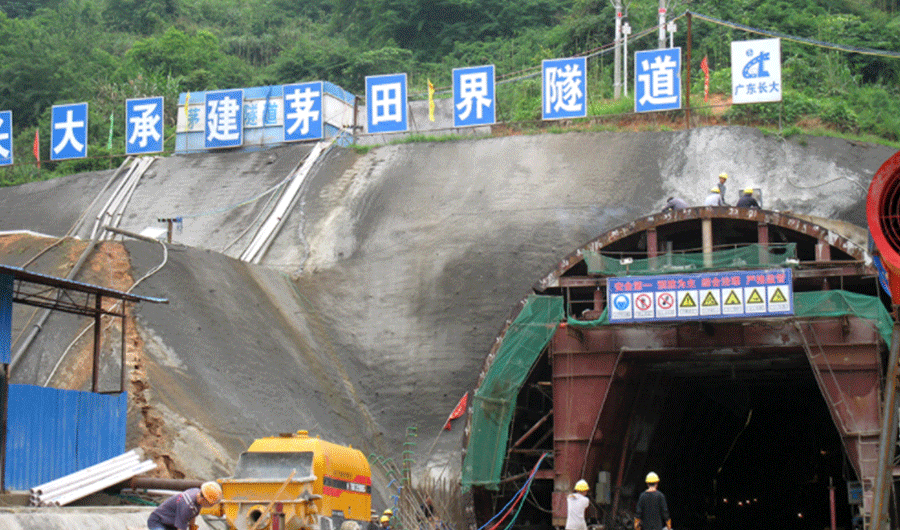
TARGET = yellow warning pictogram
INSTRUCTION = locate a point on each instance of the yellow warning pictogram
(755, 298)
(710, 300)
(777, 296)
(687, 301)
(732, 299)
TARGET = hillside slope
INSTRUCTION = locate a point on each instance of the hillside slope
(391, 277)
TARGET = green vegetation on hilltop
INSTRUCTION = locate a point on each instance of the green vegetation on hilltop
(106, 51)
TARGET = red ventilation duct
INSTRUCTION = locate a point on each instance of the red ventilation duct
(883, 215)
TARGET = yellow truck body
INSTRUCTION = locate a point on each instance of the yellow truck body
(329, 484)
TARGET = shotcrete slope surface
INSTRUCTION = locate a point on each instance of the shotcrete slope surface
(392, 276)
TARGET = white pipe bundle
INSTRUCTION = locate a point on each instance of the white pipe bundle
(89, 480)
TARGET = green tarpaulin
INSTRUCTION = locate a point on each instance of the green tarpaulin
(495, 400)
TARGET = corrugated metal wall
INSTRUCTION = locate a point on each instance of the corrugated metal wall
(53, 432)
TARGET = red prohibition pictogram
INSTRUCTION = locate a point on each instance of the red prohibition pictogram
(643, 302)
(665, 301)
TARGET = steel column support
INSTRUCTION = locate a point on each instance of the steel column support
(95, 378)
(707, 241)
(887, 440)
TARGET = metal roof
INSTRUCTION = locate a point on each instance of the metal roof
(66, 303)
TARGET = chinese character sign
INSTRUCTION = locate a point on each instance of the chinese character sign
(143, 126)
(657, 80)
(303, 112)
(563, 89)
(756, 71)
(473, 96)
(224, 119)
(6, 135)
(386, 103)
(68, 131)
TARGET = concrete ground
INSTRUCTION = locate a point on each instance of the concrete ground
(389, 280)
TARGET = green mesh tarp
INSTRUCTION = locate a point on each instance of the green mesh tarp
(495, 400)
(812, 304)
(840, 303)
(750, 256)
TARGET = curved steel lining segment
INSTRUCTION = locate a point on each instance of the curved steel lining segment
(772, 218)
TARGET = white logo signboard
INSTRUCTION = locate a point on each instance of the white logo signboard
(756, 71)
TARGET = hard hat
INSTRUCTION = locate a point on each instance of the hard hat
(652, 478)
(748, 191)
(388, 512)
(581, 485)
(715, 190)
(385, 518)
(211, 491)
(723, 176)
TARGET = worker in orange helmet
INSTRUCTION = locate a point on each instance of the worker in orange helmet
(180, 510)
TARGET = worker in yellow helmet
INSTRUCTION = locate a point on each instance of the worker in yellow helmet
(747, 200)
(652, 511)
(714, 198)
(722, 178)
(179, 510)
(576, 504)
(385, 522)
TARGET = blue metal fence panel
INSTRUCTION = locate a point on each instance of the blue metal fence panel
(6, 309)
(53, 432)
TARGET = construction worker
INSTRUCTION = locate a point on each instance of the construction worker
(747, 200)
(577, 503)
(722, 178)
(373, 521)
(180, 510)
(652, 512)
(714, 198)
(674, 203)
(385, 522)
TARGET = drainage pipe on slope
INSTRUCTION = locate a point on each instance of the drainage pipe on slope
(122, 191)
(264, 237)
(126, 198)
(98, 221)
(78, 223)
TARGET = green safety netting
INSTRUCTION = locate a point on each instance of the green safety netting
(494, 401)
(812, 304)
(750, 256)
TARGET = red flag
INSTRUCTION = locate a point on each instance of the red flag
(37, 148)
(704, 65)
(458, 411)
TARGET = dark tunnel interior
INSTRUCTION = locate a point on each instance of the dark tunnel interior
(748, 453)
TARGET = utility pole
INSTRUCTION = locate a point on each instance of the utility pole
(617, 52)
(626, 31)
(662, 24)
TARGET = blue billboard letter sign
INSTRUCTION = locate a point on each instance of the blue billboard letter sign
(473, 96)
(6, 136)
(224, 119)
(658, 80)
(303, 112)
(386, 103)
(68, 131)
(144, 126)
(563, 90)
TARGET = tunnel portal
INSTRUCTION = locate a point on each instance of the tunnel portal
(769, 420)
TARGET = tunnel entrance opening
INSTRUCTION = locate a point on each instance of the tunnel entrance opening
(747, 451)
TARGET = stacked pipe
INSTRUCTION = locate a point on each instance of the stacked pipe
(90, 480)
